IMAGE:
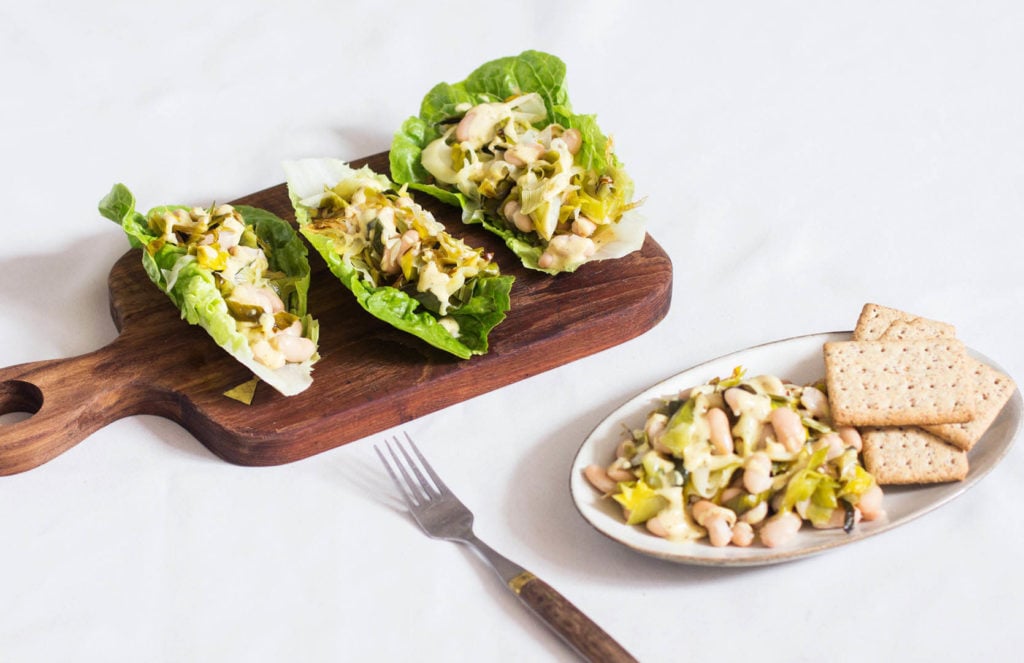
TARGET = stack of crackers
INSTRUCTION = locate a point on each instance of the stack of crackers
(920, 401)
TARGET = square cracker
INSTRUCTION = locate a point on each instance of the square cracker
(910, 455)
(992, 389)
(886, 383)
(876, 319)
(917, 329)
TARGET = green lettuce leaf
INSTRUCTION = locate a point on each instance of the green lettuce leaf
(194, 291)
(481, 312)
(530, 71)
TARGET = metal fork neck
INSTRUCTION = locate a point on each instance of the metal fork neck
(506, 569)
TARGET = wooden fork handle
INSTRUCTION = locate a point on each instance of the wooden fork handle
(578, 630)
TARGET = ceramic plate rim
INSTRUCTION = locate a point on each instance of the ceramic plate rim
(985, 456)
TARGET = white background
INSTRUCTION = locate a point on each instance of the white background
(799, 159)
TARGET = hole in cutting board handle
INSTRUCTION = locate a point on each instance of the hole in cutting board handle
(18, 401)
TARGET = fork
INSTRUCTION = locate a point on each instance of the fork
(443, 516)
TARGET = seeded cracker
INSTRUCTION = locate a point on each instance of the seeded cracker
(909, 455)
(884, 383)
(875, 319)
(918, 329)
(992, 389)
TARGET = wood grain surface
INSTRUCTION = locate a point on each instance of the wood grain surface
(588, 639)
(371, 377)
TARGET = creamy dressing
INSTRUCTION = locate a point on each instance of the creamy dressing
(214, 241)
(752, 483)
(392, 241)
(495, 156)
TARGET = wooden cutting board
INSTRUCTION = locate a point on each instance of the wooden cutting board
(371, 377)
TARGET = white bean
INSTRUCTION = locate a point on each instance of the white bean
(653, 428)
(701, 509)
(757, 473)
(756, 514)
(704, 509)
(524, 154)
(599, 479)
(870, 503)
(789, 430)
(834, 443)
(742, 534)
(295, 349)
(477, 126)
(736, 399)
(294, 329)
(573, 140)
(512, 212)
(851, 437)
(717, 520)
(780, 529)
(571, 247)
(719, 531)
(729, 493)
(721, 435)
(264, 298)
(389, 261)
(584, 227)
(815, 401)
(619, 470)
(523, 222)
(656, 527)
(276, 305)
(265, 354)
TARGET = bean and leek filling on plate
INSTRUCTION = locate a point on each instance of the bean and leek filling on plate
(399, 261)
(505, 146)
(239, 272)
(740, 459)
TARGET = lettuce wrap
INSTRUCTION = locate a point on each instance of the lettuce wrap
(505, 146)
(398, 261)
(239, 272)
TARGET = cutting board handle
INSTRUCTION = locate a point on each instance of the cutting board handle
(68, 400)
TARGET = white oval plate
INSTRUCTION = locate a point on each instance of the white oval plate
(799, 360)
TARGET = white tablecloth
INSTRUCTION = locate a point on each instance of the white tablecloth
(798, 161)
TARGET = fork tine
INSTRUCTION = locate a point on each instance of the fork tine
(409, 497)
(430, 492)
(420, 491)
(441, 487)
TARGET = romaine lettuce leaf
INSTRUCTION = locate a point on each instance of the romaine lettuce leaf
(486, 306)
(498, 80)
(194, 291)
